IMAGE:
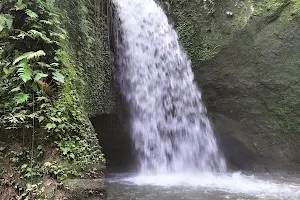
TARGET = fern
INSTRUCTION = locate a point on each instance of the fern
(46, 22)
(21, 35)
(44, 65)
(34, 34)
(58, 35)
(21, 98)
(31, 14)
(24, 71)
(29, 55)
(37, 34)
(16, 89)
(6, 21)
(20, 5)
(36, 54)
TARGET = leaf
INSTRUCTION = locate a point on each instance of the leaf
(46, 22)
(20, 5)
(36, 54)
(21, 98)
(43, 99)
(41, 118)
(6, 21)
(2, 23)
(50, 126)
(47, 164)
(72, 156)
(34, 34)
(31, 14)
(22, 35)
(16, 89)
(24, 166)
(65, 150)
(29, 55)
(56, 119)
(5, 70)
(58, 35)
(35, 87)
(58, 77)
(9, 21)
(38, 76)
(62, 126)
(54, 64)
(24, 71)
(42, 64)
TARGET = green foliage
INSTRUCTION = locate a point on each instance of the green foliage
(29, 55)
(24, 71)
(5, 21)
(31, 14)
(20, 5)
(58, 77)
(40, 76)
(21, 98)
(41, 97)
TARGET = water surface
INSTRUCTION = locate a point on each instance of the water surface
(234, 186)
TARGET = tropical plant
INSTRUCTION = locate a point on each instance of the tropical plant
(40, 95)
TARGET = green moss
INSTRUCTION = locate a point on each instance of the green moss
(265, 7)
(204, 33)
(261, 7)
(296, 6)
(89, 29)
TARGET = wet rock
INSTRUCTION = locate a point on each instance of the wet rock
(88, 189)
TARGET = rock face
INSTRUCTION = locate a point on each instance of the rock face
(89, 189)
(247, 65)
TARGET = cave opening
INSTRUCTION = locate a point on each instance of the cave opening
(113, 135)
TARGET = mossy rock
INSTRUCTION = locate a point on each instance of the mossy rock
(250, 74)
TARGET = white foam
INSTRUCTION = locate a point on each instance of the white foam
(232, 183)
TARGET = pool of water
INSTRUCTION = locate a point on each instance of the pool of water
(237, 186)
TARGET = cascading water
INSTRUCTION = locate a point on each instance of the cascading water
(170, 128)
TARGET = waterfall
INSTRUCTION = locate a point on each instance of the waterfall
(169, 123)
